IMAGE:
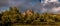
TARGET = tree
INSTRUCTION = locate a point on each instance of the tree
(1, 16)
(11, 16)
(14, 10)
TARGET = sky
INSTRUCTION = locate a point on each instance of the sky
(41, 6)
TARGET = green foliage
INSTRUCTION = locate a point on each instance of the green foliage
(13, 16)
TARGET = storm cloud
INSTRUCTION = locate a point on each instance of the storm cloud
(35, 5)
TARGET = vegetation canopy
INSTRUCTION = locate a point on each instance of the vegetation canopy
(13, 16)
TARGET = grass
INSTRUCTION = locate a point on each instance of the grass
(57, 24)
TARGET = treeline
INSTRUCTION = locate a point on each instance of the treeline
(13, 16)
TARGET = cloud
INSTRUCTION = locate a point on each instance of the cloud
(3, 3)
(52, 7)
(47, 1)
(35, 5)
(3, 8)
(25, 4)
(21, 2)
(54, 10)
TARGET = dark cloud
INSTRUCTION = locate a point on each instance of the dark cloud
(3, 3)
